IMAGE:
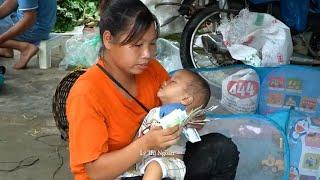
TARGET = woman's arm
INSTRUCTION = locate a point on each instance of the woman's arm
(112, 164)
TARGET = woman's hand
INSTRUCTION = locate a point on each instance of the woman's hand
(160, 139)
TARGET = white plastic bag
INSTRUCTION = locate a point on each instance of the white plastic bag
(257, 39)
(240, 91)
(82, 50)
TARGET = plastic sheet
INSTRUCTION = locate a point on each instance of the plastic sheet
(252, 134)
(168, 54)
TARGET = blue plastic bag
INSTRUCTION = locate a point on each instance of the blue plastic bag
(262, 1)
(294, 13)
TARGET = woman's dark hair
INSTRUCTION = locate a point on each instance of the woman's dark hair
(118, 16)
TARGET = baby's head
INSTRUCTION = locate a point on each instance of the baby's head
(185, 87)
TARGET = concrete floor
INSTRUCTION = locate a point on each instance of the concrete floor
(27, 127)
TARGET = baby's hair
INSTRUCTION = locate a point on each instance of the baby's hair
(121, 16)
(200, 88)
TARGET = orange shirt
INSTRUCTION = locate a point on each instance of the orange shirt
(101, 119)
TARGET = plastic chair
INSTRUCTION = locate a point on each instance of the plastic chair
(46, 47)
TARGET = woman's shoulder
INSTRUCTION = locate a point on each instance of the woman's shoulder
(87, 82)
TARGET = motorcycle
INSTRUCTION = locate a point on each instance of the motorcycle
(201, 44)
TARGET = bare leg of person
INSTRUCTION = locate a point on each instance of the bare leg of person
(6, 52)
(153, 171)
(26, 54)
(27, 51)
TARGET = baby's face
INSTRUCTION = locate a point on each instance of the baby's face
(174, 89)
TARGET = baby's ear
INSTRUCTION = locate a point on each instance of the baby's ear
(107, 39)
(187, 100)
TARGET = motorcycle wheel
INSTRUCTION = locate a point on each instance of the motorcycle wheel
(201, 44)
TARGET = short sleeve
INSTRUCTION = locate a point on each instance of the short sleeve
(88, 131)
(25, 5)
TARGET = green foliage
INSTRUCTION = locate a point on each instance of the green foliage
(71, 13)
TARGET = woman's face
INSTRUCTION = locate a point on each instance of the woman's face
(132, 58)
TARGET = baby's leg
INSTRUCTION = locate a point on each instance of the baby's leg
(153, 171)
(169, 167)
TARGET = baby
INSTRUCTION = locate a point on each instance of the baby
(182, 93)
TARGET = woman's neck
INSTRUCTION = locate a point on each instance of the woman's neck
(118, 74)
(127, 80)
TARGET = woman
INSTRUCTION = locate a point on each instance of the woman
(107, 104)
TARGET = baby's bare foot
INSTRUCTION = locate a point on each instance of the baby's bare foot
(26, 54)
(5, 52)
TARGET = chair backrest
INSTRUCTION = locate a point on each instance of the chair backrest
(59, 102)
